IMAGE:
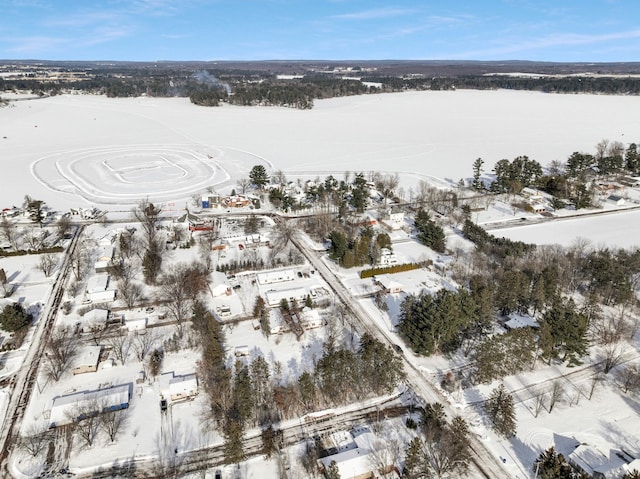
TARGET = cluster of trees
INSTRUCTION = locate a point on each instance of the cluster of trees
(436, 323)
(362, 250)
(429, 233)
(255, 393)
(500, 411)
(251, 86)
(492, 245)
(441, 449)
(571, 181)
(512, 176)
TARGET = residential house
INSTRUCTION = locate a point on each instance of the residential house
(86, 361)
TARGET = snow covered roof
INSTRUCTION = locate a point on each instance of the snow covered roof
(97, 283)
(65, 407)
(591, 460)
(88, 356)
(388, 283)
(274, 297)
(520, 321)
(276, 276)
(96, 315)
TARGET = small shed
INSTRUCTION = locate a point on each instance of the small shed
(135, 324)
(616, 200)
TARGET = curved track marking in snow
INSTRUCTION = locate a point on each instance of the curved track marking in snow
(123, 174)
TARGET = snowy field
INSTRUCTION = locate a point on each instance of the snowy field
(619, 230)
(74, 150)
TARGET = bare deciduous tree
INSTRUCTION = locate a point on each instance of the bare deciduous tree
(148, 215)
(130, 292)
(47, 263)
(180, 287)
(63, 225)
(7, 288)
(629, 378)
(9, 233)
(112, 422)
(79, 261)
(60, 349)
(243, 184)
(142, 344)
(556, 393)
(86, 421)
(540, 399)
(613, 355)
(594, 382)
(36, 439)
(120, 346)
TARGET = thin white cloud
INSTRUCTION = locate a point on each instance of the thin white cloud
(82, 19)
(36, 44)
(550, 41)
(375, 14)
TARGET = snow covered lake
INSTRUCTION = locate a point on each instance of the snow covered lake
(74, 150)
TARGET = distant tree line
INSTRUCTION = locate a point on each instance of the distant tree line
(251, 87)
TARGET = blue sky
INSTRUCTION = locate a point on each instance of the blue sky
(148, 30)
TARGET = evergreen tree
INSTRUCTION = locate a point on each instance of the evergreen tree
(233, 445)
(429, 233)
(35, 208)
(477, 173)
(258, 176)
(500, 409)
(565, 328)
(13, 317)
(552, 465)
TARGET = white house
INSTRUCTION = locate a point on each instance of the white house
(178, 388)
(276, 276)
(388, 284)
(387, 258)
(517, 321)
(104, 258)
(275, 297)
(355, 459)
(70, 408)
(219, 284)
(97, 289)
(86, 361)
(591, 460)
(310, 318)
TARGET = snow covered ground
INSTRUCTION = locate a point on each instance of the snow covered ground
(74, 150)
(77, 150)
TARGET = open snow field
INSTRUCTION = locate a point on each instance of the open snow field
(73, 150)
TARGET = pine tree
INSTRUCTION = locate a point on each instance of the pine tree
(477, 172)
(500, 409)
(258, 176)
(552, 465)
